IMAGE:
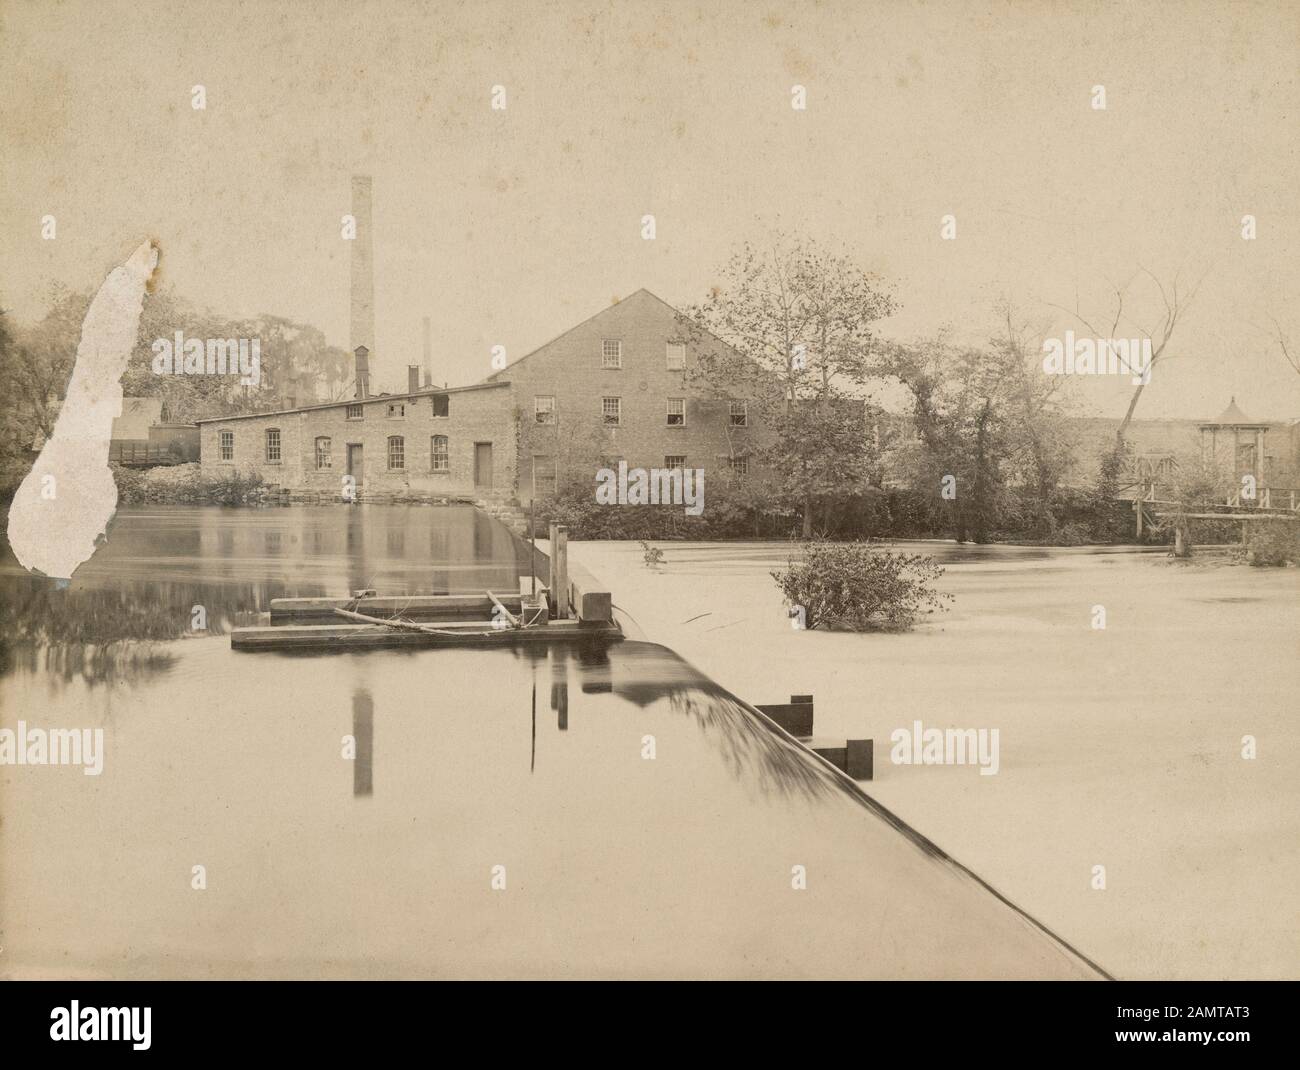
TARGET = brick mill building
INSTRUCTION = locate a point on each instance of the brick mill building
(615, 387)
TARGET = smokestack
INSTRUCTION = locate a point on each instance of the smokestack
(363, 275)
(363, 373)
(428, 352)
(412, 378)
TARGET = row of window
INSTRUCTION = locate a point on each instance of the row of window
(611, 411)
(544, 467)
(438, 453)
(611, 354)
(396, 410)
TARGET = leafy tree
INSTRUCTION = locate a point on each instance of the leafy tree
(960, 412)
(790, 329)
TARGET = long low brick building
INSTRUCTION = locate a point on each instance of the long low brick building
(450, 442)
(615, 387)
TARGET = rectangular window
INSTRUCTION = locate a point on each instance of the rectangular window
(675, 460)
(676, 412)
(441, 405)
(740, 414)
(543, 476)
(272, 445)
(612, 410)
(397, 410)
(323, 457)
(396, 453)
(226, 444)
(676, 356)
(356, 412)
(611, 353)
(739, 467)
(544, 408)
(438, 454)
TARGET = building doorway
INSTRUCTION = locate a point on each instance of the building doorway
(356, 462)
(483, 465)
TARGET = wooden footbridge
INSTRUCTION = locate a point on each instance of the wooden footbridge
(1151, 511)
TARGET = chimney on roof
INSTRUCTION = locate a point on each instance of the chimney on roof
(363, 271)
(428, 352)
(363, 373)
(412, 378)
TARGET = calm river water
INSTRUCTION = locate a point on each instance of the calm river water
(587, 810)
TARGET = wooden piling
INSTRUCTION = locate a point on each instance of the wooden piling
(559, 574)
(861, 758)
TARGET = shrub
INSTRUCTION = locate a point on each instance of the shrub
(183, 484)
(730, 511)
(858, 587)
(1277, 544)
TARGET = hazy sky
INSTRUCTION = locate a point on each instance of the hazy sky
(510, 226)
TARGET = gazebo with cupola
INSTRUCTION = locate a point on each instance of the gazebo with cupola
(1247, 443)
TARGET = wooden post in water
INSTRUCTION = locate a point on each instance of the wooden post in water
(553, 535)
(1137, 509)
(560, 570)
(532, 547)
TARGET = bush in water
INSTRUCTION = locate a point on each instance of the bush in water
(855, 586)
(1275, 545)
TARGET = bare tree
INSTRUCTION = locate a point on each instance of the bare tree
(1284, 344)
(1175, 305)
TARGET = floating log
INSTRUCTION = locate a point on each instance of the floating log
(413, 607)
(333, 637)
(410, 625)
(497, 603)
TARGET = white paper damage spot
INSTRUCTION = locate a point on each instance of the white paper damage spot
(69, 496)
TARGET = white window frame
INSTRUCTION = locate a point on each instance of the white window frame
(355, 412)
(327, 453)
(605, 414)
(226, 447)
(675, 350)
(539, 411)
(615, 361)
(398, 405)
(434, 455)
(743, 414)
(681, 412)
(401, 449)
(279, 445)
(668, 459)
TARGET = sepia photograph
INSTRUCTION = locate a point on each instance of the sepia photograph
(654, 490)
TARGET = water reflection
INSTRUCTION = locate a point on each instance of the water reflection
(619, 866)
(363, 733)
(140, 590)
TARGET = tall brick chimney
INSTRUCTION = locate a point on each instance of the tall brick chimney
(428, 352)
(412, 378)
(363, 280)
(363, 373)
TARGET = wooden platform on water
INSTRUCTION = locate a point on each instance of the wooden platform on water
(573, 607)
(332, 637)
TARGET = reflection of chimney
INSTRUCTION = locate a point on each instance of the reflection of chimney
(363, 269)
(363, 372)
(428, 352)
(412, 378)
